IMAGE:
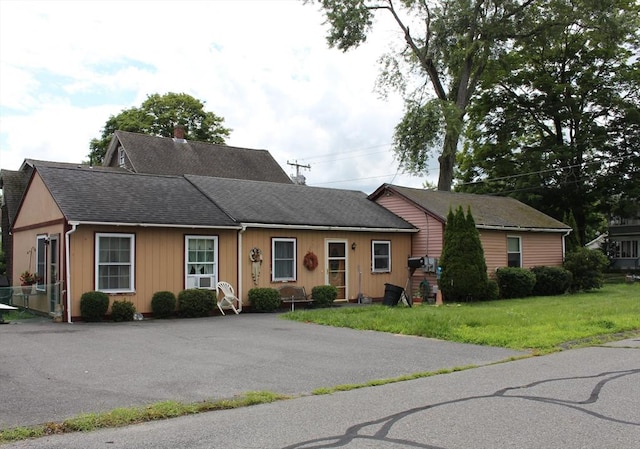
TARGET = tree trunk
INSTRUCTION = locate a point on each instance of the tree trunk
(447, 159)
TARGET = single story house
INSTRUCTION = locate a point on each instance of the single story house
(141, 153)
(131, 235)
(512, 233)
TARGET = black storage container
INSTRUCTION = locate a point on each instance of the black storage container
(392, 294)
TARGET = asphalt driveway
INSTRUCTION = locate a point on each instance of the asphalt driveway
(52, 371)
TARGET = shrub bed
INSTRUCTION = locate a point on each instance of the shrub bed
(515, 282)
(551, 281)
(122, 311)
(195, 302)
(264, 299)
(324, 295)
(94, 306)
(163, 304)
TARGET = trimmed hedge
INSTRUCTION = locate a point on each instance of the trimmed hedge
(94, 305)
(163, 304)
(122, 311)
(195, 302)
(551, 281)
(324, 295)
(264, 299)
(515, 282)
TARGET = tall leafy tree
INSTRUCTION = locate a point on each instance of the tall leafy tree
(557, 120)
(157, 116)
(445, 48)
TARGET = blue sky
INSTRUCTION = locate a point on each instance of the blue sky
(263, 65)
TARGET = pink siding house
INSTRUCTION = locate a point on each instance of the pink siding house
(512, 233)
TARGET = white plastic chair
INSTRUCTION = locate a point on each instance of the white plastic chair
(228, 297)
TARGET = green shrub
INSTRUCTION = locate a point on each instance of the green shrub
(551, 281)
(587, 267)
(324, 295)
(264, 299)
(464, 269)
(163, 304)
(93, 305)
(195, 302)
(515, 282)
(122, 310)
(492, 291)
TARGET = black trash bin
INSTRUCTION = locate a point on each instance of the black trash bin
(392, 294)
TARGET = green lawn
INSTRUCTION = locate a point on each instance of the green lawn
(542, 324)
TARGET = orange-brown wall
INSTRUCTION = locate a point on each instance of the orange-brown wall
(159, 266)
(38, 216)
(372, 284)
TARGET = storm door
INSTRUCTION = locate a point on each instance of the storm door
(336, 271)
(54, 270)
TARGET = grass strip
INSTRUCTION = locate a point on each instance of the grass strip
(121, 417)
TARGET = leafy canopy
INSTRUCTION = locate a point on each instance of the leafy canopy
(157, 116)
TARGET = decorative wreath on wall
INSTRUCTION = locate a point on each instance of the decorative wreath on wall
(310, 261)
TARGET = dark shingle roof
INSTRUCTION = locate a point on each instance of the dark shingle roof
(487, 210)
(296, 205)
(166, 156)
(104, 196)
(13, 185)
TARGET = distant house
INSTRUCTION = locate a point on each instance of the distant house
(131, 234)
(141, 153)
(624, 243)
(512, 233)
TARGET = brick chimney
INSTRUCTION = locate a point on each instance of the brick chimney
(178, 132)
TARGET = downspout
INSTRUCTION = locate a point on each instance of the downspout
(564, 246)
(239, 292)
(67, 252)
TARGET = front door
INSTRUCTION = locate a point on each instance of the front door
(336, 266)
(54, 267)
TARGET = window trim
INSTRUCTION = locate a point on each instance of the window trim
(216, 250)
(294, 262)
(41, 265)
(121, 156)
(132, 262)
(519, 239)
(373, 256)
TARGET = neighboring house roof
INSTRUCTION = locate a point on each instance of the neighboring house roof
(13, 184)
(169, 156)
(251, 202)
(489, 212)
(86, 195)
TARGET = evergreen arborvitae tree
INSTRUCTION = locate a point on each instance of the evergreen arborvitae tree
(464, 269)
(572, 241)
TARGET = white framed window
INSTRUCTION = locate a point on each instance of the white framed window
(626, 249)
(115, 262)
(381, 256)
(201, 261)
(514, 252)
(41, 262)
(283, 259)
(121, 156)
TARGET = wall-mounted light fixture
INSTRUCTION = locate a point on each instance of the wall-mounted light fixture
(353, 246)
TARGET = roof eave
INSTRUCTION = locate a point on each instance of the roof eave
(521, 229)
(327, 228)
(148, 225)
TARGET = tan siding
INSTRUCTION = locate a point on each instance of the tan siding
(372, 284)
(38, 205)
(159, 262)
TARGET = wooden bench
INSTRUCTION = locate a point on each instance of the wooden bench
(291, 294)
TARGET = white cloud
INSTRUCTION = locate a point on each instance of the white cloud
(66, 66)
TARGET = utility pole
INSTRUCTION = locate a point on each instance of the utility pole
(299, 179)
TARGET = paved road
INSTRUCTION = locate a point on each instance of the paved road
(583, 398)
